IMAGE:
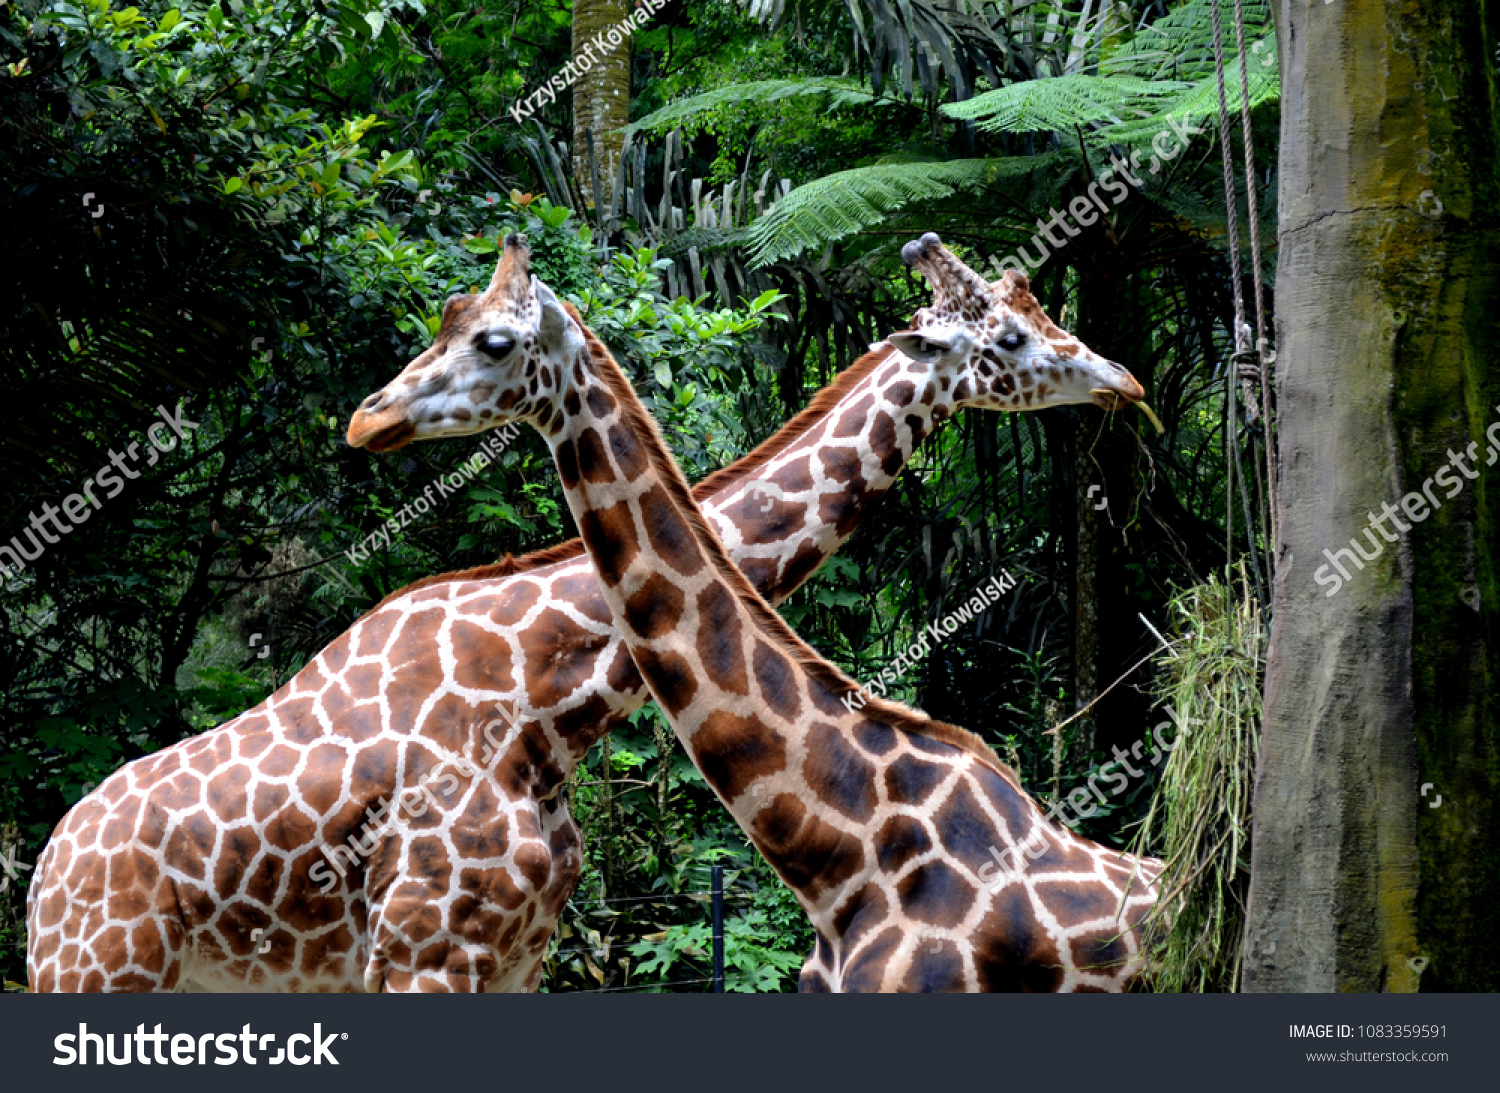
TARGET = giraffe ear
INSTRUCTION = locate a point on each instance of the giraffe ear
(1017, 279)
(930, 347)
(559, 334)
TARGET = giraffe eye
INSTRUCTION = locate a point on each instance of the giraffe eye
(496, 345)
(1011, 342)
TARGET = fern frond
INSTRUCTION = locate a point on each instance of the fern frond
(1118, 110)
(1199, 101)
(838, 205)
(1180, 44)
(1062, 103)
(759, 92)
(706, 240)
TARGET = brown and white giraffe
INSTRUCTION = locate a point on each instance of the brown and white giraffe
(919, 859)
(178, 869)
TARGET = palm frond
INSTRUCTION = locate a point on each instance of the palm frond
(838, 205)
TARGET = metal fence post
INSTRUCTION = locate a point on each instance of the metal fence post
(718, 886)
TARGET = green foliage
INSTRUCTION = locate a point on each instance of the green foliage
(224, 694)
(840, 204)
(753, 962)
(1063, 103)
(837, 92)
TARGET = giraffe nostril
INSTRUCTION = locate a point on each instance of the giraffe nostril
(373, 403)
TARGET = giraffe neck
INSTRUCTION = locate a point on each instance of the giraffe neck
(790, 515)
(759, 713)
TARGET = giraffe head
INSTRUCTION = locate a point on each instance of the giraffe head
(1008, 353)
(498, 357)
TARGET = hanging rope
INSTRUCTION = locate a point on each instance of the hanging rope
(1264, 354)
(1251, 197)
(1240, 330)
(1248, 363)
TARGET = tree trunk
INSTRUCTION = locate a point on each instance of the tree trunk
(1378, 684)
(601, 93)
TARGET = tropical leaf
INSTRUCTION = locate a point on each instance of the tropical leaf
(838, 205)
(1199, 100)
(1119, 111)
(1063, 103)
(1179, 45)
(841, 92)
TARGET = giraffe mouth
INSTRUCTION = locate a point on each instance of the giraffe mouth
(378, 432)
(391, 438)
(1106, 399)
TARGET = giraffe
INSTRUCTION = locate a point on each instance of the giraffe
(164, 877)
(886, 825)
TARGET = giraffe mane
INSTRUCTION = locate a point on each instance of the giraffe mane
(894, 714)
(742, 468)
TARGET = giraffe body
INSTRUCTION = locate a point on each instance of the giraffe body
(887, 825)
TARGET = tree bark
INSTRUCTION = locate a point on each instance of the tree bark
(1387, 315)
(601, 93)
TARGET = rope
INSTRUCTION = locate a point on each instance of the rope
(1247, 363)
(1250, 195)
(1231, 208)
(1231, 202)
(1265, 356)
